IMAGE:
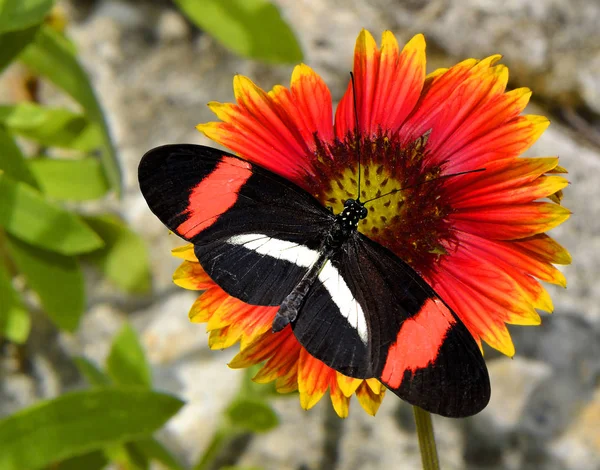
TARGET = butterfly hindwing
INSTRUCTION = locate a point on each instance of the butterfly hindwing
(255, 233)
(378, 318)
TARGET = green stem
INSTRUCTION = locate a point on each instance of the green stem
(429, 456)
(211, 452)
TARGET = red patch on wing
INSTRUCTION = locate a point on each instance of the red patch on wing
(214, 195)
(418, 342)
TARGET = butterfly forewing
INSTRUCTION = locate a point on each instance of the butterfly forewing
(255, 233)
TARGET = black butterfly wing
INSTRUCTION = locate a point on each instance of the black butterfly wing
(255, 233)
(367, 315)
(370, 315)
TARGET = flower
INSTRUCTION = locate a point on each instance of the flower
(478, 239)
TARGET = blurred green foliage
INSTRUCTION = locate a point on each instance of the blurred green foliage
(114, 420)
(51, 157)
(250, 28)
(52, 161)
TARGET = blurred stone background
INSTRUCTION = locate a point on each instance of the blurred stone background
(154, 73)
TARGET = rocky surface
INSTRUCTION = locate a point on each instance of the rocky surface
(154, 74)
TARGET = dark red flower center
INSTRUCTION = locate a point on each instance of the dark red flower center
(412, 219)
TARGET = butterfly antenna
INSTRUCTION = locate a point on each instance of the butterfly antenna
(394, 191)
(356, 132)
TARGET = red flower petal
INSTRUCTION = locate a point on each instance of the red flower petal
(460, 288)
(512, 254)
(276, 129)
(505, 181)
(511, 221)
(491, 113)
(388, 84)
(543, 248)
(310, 99)
(505, 142)
(437, 93)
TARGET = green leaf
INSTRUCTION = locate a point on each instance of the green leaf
(12, 161)
(126, 363)
(252, 415)
(25, 214)
(70, 180)
(52, 56)
(150, 448)
(14, 319)
(95, 460)
(77, 423)
(126, 456)
(57, 280)
(92, 373)
(51, 127)
(21, 14)
(154, 450)
(251, 28)
(124, 259)
(12, 44)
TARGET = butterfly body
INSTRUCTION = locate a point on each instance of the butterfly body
(350, 302)
(344, 226)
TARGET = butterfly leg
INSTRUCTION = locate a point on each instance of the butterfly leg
(289, 308)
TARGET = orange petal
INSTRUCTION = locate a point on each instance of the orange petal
(284, 359)
(261, 349)
(347, 385)
(375, 385)
(224, 337)
(190, 275)
(288, 382)
(207, 304)
(543, 248)
(339, 400)
(368, 399)
(185, 252)
(252, 319)
(388, 84)
(313, 379)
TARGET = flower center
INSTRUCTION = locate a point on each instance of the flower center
(407, 208)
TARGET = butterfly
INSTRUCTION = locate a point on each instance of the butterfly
(351, 302)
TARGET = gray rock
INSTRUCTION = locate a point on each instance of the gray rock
(566, 342)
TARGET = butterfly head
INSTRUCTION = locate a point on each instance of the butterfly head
(353, 212)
